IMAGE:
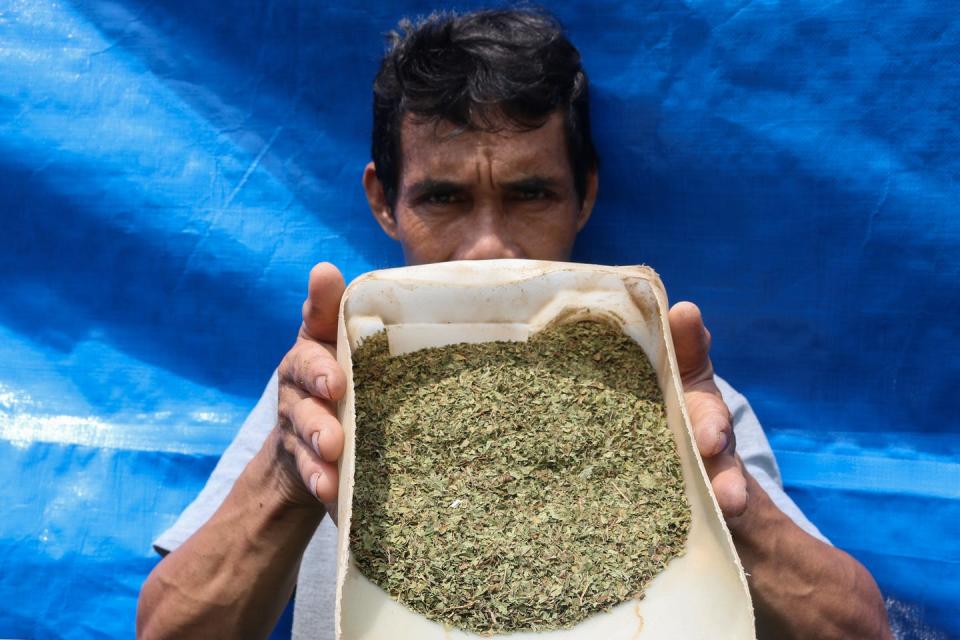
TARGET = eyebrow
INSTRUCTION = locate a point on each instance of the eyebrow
(533, 183)
(429, 185)
(529, 183)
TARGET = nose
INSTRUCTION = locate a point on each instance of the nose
(488, 238)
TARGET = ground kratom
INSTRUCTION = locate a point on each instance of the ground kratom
(510, 486)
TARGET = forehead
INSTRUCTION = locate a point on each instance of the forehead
(432, 148)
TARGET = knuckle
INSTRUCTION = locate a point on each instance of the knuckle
(310, 351)
(293, 414)
(284, 411)
(290, 362)
(284, 404)
(301, 365)
(302, 417)
(285, 425)
(286, 445)
(287, 400)
(322, 362)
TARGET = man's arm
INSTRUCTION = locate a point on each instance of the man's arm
(801, 587)
(233, 577)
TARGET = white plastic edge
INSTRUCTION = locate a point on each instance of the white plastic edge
(702, 594)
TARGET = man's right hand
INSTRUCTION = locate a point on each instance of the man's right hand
(234, 575)
(308, 436)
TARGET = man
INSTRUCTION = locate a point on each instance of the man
(481, 149)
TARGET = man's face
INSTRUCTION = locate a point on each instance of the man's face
(476, 195)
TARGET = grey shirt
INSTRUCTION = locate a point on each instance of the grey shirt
(313, 610)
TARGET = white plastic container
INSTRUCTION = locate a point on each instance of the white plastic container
(702, 594)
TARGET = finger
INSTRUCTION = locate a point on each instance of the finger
(312, 367)
(729, 483)
(316, 425)
(319, 477)
(710, 417)
(287, 398)
(691, 342)
(322, 306)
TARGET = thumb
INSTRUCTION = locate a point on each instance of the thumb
(691, 341)
(322, 306)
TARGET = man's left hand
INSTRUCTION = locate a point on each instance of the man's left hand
(712, 427)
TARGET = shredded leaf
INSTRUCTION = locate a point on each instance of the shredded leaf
(511, 486)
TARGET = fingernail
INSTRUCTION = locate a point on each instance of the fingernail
(314, 479)
(316, 442)
(321, 386)
(722, 441)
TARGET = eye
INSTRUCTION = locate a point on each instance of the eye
(441, 197)
(533, 195)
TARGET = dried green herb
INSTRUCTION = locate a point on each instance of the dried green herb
(511, 486)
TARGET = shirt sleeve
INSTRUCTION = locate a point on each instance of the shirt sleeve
(245, 445)
(757, 456)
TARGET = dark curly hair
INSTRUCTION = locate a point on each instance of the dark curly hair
(481, 71)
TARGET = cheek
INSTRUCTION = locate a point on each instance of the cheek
(424, 241)
(548, 236)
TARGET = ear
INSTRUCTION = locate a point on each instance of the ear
(377, 199)
(589, 198)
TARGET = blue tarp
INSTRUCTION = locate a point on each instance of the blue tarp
(170, 171)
